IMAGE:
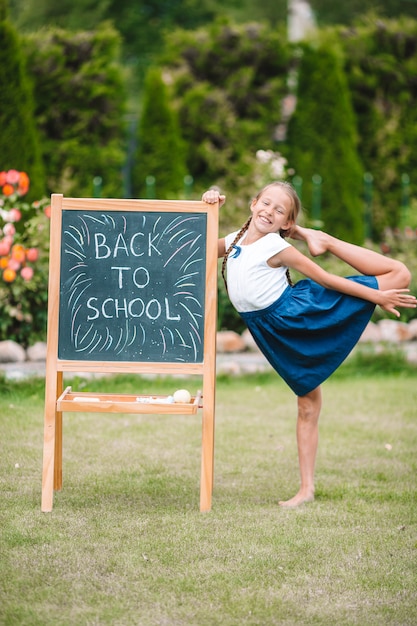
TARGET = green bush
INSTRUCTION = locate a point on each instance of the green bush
(228, 81)
(322, 141)
(19, 138)
(228, 318)
(161, 150)
(381, 66)
(80, 106)
(401, 244)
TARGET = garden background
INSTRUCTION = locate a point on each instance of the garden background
(157, 99)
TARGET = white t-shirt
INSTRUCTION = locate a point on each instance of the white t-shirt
(251, 282)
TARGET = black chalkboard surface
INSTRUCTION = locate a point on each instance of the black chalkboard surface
(132, 286)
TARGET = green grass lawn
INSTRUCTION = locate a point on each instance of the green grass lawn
(126, 544)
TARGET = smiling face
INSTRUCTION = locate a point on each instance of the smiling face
(273, 210)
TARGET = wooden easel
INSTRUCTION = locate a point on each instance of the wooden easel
(59, 399)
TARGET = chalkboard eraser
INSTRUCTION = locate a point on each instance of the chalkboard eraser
(85, 399)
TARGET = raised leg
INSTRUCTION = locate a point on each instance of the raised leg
(309, 407)
(390, 273)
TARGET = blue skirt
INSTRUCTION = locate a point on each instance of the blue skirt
(309, 331)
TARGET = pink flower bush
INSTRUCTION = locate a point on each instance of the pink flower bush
(14, 182)
(14, 255)
(27, 273)
(24, 256)
(15, 215)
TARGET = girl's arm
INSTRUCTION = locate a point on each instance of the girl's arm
(388, 300)
(211, 197)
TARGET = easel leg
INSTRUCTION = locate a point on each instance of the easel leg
(58, 438)
(49, 438)
(48, 459)
(207, 453)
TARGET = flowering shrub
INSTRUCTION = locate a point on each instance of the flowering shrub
(24, 242)
(272, 166)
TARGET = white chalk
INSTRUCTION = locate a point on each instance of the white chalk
(85, 399)
(155, 400)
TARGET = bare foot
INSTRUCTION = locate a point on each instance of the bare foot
(300, 498)
(316, 240)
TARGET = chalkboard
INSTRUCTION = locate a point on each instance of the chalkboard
(132, 286)
(132, 289)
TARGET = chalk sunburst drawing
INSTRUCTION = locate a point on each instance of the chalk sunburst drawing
(132, 286)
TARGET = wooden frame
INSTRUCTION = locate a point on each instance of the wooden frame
(59, 400)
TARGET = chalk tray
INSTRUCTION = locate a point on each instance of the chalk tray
(125, 403)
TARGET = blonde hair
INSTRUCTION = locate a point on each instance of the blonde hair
(293, 214)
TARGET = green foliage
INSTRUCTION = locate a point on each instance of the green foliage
(381, 66)
(19, 139)
(141, 23)
(3, 9)
(161, 151)
(80, 103)
(228, 85)
(32, 15)
(368, 360)
(227, 317)
(271, 11)
(144, 22)
(229, 81)
(322, 141)
(331, 12)
(401, 244)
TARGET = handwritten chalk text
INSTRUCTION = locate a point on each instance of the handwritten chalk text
(111, 308)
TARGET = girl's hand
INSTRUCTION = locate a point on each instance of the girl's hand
(393, 298)
(212, 196)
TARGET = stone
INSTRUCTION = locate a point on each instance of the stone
(37, 352)
(394, 332)
(410, 350)
(249, 341)
(11, 352)
(412, 326)
(229, 368)
(229, 341)
(372, 333)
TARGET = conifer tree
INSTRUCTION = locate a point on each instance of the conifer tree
(322, 141)
(381, 69)
(19, 142)
(161, 152)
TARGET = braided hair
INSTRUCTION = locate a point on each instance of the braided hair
(289, 189)
(230, 248)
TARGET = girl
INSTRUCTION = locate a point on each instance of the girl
(306, 330)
